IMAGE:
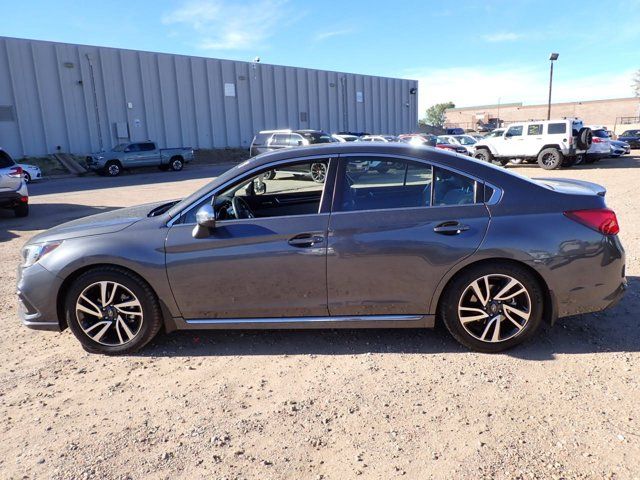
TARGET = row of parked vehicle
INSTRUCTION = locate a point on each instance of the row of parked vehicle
(552, 143)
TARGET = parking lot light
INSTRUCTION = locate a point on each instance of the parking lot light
(553, 57)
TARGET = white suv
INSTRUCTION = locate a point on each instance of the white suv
(552, 143)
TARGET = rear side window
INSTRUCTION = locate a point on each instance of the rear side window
(557, 128)
(295, 140)
(134, 147)
(450, 188)
(280, 139)
(535, 129)
(5, 160)
(147, 147)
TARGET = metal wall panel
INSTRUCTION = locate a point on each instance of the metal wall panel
(70, 98)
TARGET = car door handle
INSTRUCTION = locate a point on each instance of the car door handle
(305, 240)
(450, 228)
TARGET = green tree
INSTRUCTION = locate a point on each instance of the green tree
(435, 114)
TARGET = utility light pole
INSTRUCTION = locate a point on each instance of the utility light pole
(553, 57)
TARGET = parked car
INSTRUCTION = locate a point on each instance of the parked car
(344, 137)
(13, 187)
(454, 131)
(378, 138)
(553, 143)
(443, 144)
(619, 148)
(270, 140)
(600, 145)
(31, 173)
(498, 132)
(138, 154)
(632, 137)
(419, 139)
(466, 141)
(450, 238)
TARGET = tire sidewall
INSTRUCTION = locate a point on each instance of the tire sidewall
(483, 154)
(150, 310)
(177, 164)
(107, 169)
(557, 162)
(451, 299)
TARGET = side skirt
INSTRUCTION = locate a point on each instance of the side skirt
(293, 323)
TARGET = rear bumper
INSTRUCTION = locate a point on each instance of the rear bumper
(11, 199)
(37, 294)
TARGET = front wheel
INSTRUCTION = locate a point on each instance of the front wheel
(113, 168)
(112, 311)
(550, 158)
(491, 308)
(484, 155)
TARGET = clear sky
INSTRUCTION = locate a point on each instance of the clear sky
(469, 52)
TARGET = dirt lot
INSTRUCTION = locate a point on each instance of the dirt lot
(318, 404)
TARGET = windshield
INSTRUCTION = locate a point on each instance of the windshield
(600, 133)
(630, 133)
(120, 147)
(444, 140)
(466, 140)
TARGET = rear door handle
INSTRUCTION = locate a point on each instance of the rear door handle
(450, 228)
(305, 240)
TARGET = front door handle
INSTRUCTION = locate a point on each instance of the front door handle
(450, 228)
(305, 240)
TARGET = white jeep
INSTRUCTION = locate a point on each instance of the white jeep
(552, 143)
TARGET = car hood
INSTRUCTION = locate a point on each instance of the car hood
(100, 224)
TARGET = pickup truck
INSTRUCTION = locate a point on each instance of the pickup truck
(138, 154)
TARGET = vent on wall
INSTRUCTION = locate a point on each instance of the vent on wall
(6, 113)
(303, 116)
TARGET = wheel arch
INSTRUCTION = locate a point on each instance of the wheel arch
(549, 313)
(72, 276)
(550, 145)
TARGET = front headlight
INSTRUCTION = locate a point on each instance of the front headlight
(35, 252)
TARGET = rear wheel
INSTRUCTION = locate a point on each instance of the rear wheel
(21, 210)
(490, 308)
(484, 155)
(176, 164)
(270, 175)
(112, 311)
(318, 172)
(550, 158)
(27, 177)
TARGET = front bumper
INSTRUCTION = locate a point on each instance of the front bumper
(37, 298)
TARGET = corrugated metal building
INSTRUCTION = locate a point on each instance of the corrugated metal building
(78, 98)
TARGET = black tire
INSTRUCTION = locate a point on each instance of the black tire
(569, 162)
(21, 211)
(176, 164)
(27, 177)
(585, 137)
(455, 290)
(270, 175)
(550, 158)
(151, 319)
(113, 168)
(484, 155)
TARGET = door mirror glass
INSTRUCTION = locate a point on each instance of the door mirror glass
(206, 216)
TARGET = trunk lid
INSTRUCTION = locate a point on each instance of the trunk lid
(571, 186)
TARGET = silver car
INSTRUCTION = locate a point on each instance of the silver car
(13, 186)
(432, 236)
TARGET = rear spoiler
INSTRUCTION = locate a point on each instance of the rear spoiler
(594, 187)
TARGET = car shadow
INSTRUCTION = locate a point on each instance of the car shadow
(44, 216)
(625, 161)
(615, 330)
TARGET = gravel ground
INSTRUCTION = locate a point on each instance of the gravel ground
(318, 404)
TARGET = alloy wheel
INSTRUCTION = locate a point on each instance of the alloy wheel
(109, 313)
(318, 172)
(494, 308)
(114, 170)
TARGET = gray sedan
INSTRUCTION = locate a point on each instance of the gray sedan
(432, 236)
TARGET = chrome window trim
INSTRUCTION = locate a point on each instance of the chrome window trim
(247, 174)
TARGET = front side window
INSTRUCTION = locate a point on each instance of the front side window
(280, 139)
(514, 131)
(555, 128)
(535, 129)
(134, 147)
(147, 147)
(291, 189)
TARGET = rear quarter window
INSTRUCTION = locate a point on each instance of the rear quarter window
(261, 138)
(557, 128)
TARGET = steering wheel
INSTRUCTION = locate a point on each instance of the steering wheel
(241, 208)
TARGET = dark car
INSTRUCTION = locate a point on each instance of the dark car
(454, 131)
(445, 145)
(632, 137)
(434, 236)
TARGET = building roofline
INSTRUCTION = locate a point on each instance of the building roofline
(520, 104)
(2, 37)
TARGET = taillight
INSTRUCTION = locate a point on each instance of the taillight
(602, 220)
(597, 140)
(15, 172)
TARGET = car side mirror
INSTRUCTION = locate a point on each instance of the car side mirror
(205, 220)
